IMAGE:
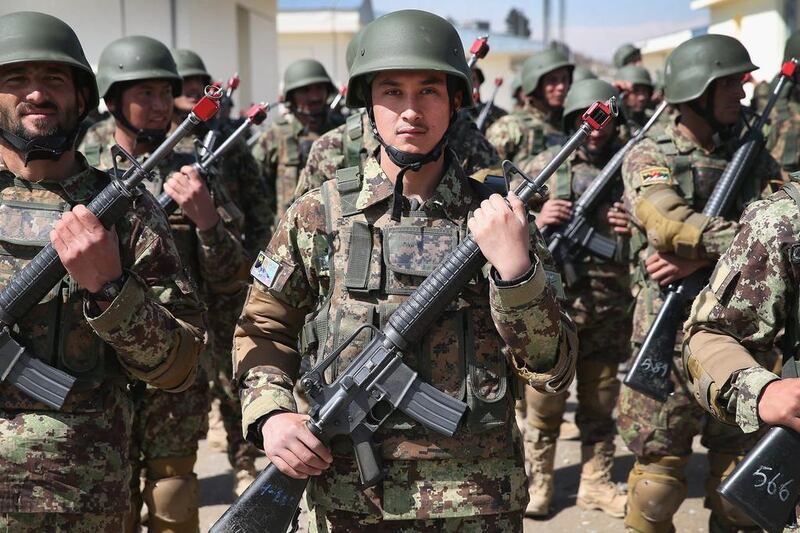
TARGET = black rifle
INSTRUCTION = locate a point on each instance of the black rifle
(487, 107)
(18, 367)
(377, 382)
(255, 115)
(649, 373)
(568, 241)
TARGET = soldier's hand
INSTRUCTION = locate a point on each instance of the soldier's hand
(666, 268)
(189, 191)
(780, 403)
(501, 231)
(619, 219)
(293, 449)
(88, 251)
(554, 212)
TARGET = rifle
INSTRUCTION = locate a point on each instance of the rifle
(481, 120)
(338, 98)
(215, 132)
(377, 382)
(478, 50)
(18, 367)
(569, 240)
(255, 115)
(649, 373)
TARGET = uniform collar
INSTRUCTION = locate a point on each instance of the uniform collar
(453, 195)
(80, 188)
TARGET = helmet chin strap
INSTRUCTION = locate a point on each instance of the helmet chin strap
(43, 147)
(151, 136)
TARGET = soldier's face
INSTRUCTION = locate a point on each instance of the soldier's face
(193, 87)
(148, 104)
(598, 138)
(38, 99)
(728, 93)
(412, 108)
(638, 97)
(555, 85)
(310, 99)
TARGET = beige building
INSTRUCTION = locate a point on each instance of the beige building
(230, 35)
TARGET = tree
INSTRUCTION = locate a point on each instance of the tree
(518, 24)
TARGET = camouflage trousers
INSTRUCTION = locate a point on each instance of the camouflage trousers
(323, 520)
(60, 523)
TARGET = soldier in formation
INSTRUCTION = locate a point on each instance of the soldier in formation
(636, 88)
(411, 89)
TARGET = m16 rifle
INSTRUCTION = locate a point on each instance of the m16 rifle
(377, 382)
(487, 107)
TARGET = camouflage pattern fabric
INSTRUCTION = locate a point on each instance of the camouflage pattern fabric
(60, 523)
(327, 155)
(498, 331)
(518, 136)
(784, 135)
(282, 152)
(330, 521)
(494, 115)
(76, 460)
(751, 297)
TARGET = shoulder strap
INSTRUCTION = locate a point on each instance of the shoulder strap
(353, 139)
(348, 183)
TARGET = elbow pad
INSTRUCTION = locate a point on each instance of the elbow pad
(671, 225)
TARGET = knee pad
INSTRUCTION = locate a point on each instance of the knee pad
(545, 411)
(173, 503)
(720, 467)
(656, 490)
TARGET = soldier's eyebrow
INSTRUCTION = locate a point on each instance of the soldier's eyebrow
(433, 80)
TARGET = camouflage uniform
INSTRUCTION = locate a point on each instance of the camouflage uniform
(167, 427)
(282, 152)
(495, 113)
(668, 180)
(784, 136)
(352, 142)
(496, 334)
(521, 136)
(75, 461)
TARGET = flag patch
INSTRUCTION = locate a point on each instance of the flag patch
(654, 175)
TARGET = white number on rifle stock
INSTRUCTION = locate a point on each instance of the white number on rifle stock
(770, 484)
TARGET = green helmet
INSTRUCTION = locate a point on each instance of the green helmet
(540, 64)
(30, 36)
(304, 72)
(583, 94)
(516, 85)
(352, 50)
(634, 74)
(408, 40)
(136, 58)
(582, 73)
(190, 64)
(625, 54)
(792, 48)
(694, 64)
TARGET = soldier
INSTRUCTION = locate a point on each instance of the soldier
(784, 136)
(599, 303)
(668, 178)
(412, 89)
(282, 150)
(349, 144)
(516, 93)
(138, 80)
(249, 211)
(495, 112)
(125, 310)
(546, 77)
(627, 54)
(636, 86)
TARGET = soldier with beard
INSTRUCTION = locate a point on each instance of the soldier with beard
(125, 310)
(138, 80)
(599, 303)
(282, 151)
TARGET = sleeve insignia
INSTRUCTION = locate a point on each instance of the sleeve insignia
(655, 175)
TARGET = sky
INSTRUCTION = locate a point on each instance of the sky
(592, 27)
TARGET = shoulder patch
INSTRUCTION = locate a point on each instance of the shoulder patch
(655, 175)
(270, 273)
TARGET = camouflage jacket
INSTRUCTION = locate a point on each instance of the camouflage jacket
(495, 333)
(495, 113)
(282, 152)
(75, 460)
(214, 258)
(351, 143)
(522, 135)
(667, 181)
(750, 300)
(783, 140)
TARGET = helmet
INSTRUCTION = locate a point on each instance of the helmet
(540, 64)
(625, 54)
(582, 73)
(304, 72)
(352, 50)
(792, 48)
(136, 58)
(30, 36)
(583, 94)
(190, 64)
(693, 65)
(408, 40)
(516, 85)
(634, 74)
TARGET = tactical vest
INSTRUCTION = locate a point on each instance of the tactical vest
(54, 331)
(373, 265)
(292, 156)
(353, 141)
(536, 138)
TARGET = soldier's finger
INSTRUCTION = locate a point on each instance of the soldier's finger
(308, 458)
(284, 467)
(518, 207)
(174, 191)
(58, 243)
(190, 172)
(315, 445)
(298, 465)
(69, 228)
(87, 219)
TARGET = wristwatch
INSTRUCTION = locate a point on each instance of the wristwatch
(110, 290)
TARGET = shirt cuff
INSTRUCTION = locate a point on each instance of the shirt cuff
(264, 393)
(129, 299)
(520, 292)
(212, 236)
(748, 385)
